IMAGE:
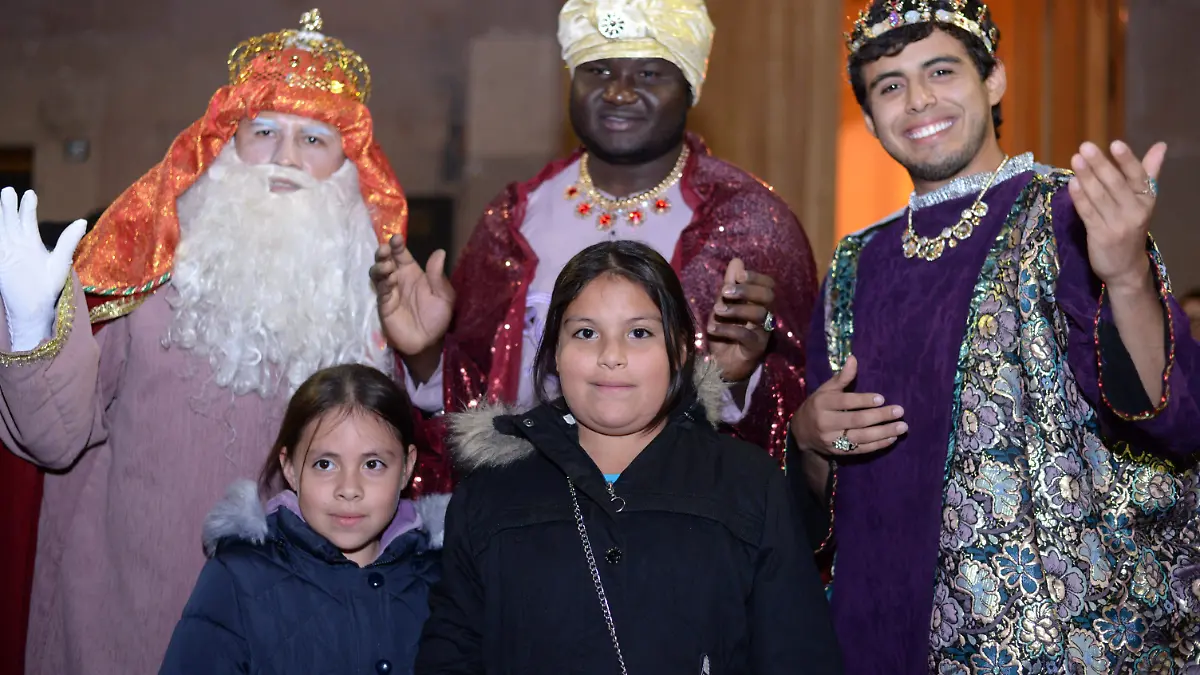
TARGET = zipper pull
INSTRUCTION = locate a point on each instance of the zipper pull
(612, 493)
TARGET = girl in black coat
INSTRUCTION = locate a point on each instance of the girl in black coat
(612, 529)
(334, 575)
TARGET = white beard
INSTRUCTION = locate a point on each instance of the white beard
(274, 287)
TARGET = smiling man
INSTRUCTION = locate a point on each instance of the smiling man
(216, 284)
(637, 68)
(1007, 400)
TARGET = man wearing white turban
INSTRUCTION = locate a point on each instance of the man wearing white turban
(637, 67)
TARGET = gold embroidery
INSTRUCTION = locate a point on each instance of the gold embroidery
(115, 309)
(50, 348)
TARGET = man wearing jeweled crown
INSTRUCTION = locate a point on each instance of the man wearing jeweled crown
(637, 68)
(1007, 404)
(214, 286)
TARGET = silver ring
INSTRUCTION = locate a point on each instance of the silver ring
(769, 322)
(1151, 188)
(844, 444)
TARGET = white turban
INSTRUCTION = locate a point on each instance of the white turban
(676, 30)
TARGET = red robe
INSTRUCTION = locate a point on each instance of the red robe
(734, 216)
(20, 504)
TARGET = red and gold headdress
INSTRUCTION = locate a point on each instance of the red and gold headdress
(897, 13)
(131, 251)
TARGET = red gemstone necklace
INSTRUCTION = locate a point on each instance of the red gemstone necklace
(608, 212)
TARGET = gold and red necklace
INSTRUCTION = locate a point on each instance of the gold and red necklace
(633, 210)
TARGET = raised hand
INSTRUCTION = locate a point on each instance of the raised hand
(1114, 199)
(415, 305)
(31, 278)
(858, 423)
(738, 336)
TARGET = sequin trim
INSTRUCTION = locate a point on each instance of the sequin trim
(833, 478)
(970, 185)
(828, 539)
(839, 295)
(130, 290)
(115, 309)
(1164, 291)
(65, 315)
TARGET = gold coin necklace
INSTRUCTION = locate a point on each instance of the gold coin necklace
(931, 248)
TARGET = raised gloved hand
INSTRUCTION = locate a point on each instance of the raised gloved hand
(31, 278)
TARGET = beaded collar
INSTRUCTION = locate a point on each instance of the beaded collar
(972, 184)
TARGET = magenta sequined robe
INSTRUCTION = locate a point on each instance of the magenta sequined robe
(734, 216)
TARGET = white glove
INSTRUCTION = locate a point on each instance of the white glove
(31, 278)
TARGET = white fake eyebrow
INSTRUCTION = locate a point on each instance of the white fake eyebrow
(316, 131)
(271, 124)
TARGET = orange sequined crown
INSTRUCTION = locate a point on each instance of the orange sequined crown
(897, 13)
(304, 59)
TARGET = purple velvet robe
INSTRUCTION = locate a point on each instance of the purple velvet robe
(910, 319)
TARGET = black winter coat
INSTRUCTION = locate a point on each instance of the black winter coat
(279, 599)
(701, 554)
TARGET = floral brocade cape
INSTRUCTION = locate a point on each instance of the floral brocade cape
(1062, 550)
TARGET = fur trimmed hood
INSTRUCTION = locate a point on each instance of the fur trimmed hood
(476, 442)
(241, 515)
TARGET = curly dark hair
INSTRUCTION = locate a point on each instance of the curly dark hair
(895, 40)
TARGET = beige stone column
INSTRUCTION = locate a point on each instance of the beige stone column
(1160, 106)
(770, 104)
(513, 115)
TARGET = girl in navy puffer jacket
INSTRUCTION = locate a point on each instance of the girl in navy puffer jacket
(333, 575)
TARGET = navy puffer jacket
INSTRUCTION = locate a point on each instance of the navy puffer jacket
(277, 598)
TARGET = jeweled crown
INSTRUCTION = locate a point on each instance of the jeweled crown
(303, 58)
(897, 13)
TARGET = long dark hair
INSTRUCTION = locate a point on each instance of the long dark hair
(639, 264)
(894, 41)
(345, 389)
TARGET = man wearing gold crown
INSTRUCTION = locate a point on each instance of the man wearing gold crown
(218, 282)
(1014, 469)
(637, 67)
